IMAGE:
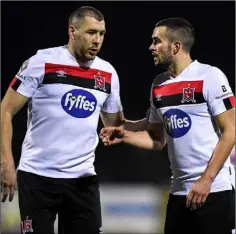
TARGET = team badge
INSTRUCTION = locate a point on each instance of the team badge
(23, 67)
(99, 82)
(26, 225)
(188, 95)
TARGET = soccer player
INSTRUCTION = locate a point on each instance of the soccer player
(66, 89)
(192, 109)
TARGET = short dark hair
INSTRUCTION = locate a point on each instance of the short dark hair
(179, 29)
(82, 12)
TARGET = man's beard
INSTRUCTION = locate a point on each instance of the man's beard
(81, 57)
(164, 65)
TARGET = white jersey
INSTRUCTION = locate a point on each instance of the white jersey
(63, 111)
(186, 105)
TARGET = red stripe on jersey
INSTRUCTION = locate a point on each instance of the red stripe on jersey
(76, 71)
(177, 88)
(232, 101)
(13, 81)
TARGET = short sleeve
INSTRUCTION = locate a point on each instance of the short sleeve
(28, 78)
(113, 102)
(153, 114)
(217, 92)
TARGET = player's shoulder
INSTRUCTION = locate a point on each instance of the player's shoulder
(207, 69)
(104, 65)
(42, 56)
(47, 53)
(160, 79)
(216, 72)
(210, 73)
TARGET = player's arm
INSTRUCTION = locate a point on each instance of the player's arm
(151, 139)
(112, 119)
(22, 87)
(137, 125)
(150, 136)
(221, 102)
(150, 133)
(201, 189)
(118, 119)
(226, 123)
(112, 111)
(11, 104)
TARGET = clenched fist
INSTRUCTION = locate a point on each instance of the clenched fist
(112, 135)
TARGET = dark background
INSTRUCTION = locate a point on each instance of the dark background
(29, 26)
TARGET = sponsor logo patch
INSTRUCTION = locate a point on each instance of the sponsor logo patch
(79, 103)
(177, 123)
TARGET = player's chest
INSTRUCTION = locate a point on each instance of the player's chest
(88, 78)
(69, 93)
(179, 104)
(178, 93)
(70, 83)
(76, 101)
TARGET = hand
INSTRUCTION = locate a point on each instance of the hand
(112, 135)
(198, 193)
(8, 181)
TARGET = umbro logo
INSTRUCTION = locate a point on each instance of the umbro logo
(158, 97)
(61, 73)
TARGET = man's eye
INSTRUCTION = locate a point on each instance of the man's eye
(155, 42)
(91, 32)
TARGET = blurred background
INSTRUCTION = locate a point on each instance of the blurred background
(134, 183)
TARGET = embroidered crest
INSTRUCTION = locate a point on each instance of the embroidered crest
(188, 95)
(100, 82)
(23, 68)
(26, 225)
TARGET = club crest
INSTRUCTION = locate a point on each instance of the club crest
(188, 95)
(26, 225)
(100, 82)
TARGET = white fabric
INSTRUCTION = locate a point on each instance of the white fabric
(191, 132)
(62, 118)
